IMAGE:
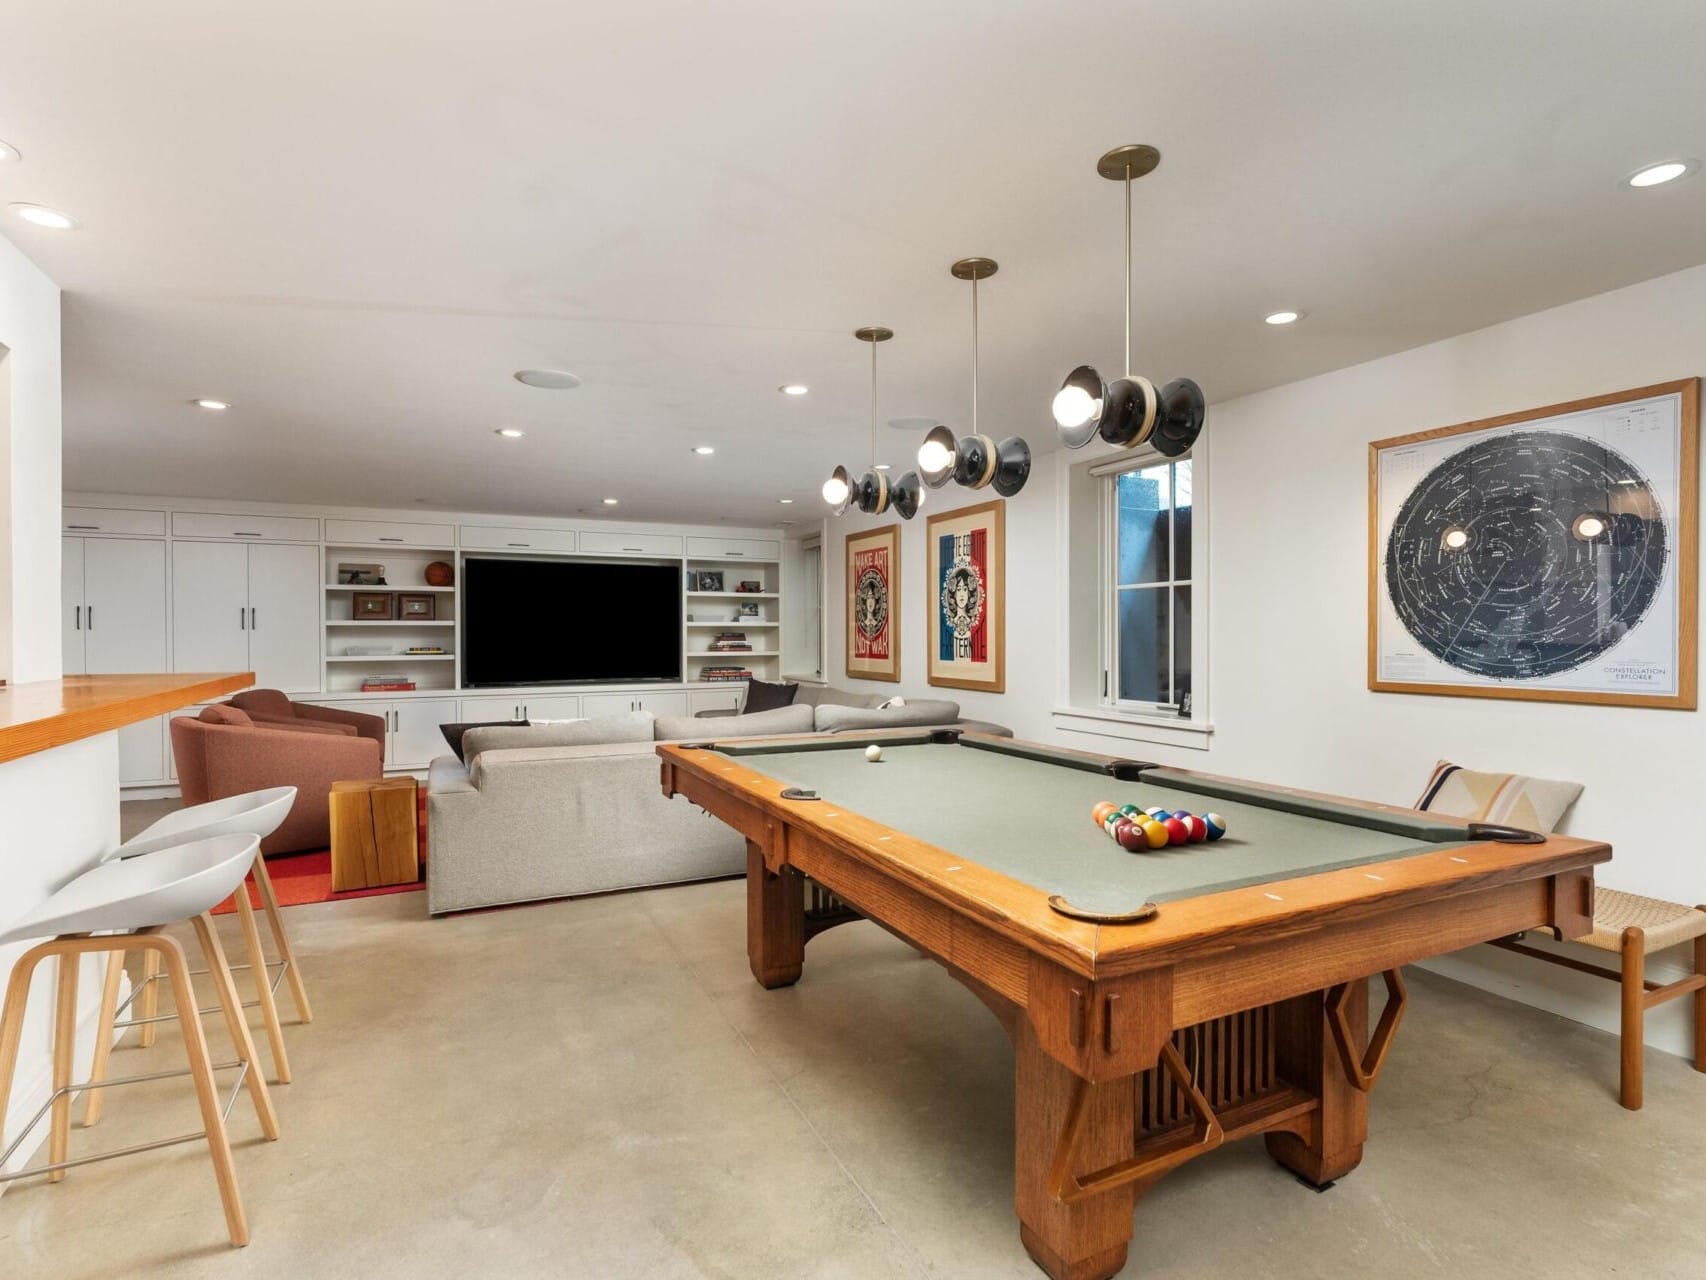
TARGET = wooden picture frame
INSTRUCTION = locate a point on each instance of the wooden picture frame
(873, 604)
(423, 608)
(1485, 580)
(966, 557)
(373, 606)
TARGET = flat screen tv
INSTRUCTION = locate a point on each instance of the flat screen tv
(569, 622)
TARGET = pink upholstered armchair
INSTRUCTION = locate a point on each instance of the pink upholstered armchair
(224, 752)
(269, 706)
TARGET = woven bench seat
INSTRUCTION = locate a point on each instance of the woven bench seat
(1663, 924)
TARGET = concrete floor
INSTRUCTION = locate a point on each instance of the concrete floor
(598, 1088)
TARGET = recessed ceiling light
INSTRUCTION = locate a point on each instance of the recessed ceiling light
(42, 216)
(1656, 175)
(217, 405)
(610, 502)
(793, 388)
(510, 433)
(786, 502)
(1283, 317)
(548, 379)
(9, 153)
(703, 450)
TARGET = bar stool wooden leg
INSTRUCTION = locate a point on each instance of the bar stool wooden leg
(1634, 1020)
(269, 903)
(150, 1007)
(104, 1036)
(263, 983)
(206, 1092)
(225, 990)
(12, 1021)
(64, 1051)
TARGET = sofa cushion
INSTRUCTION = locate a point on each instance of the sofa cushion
(630, 726)
(823, 695)
(453, 732)
(762, 695)
(224, 713)
(305, 726)
(755, 724)
(1535, 804)
(830, 718)
(264, 702)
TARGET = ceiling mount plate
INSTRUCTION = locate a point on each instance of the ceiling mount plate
(974, 268)
(1124, 163)
(873, 333)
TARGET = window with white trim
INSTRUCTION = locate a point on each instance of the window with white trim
(1147, 567)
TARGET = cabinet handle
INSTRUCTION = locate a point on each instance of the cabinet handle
(241, 533)
(242, 618)
(518, 544)
(91, 616)
(77, 612)
(633, 548)
(252, 623)
(390, 539)
(734, 553)
(95, 528)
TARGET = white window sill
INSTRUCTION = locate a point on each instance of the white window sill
(1132, 726)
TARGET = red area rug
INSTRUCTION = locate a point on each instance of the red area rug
(301, 878)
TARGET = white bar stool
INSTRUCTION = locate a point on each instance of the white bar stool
(127, 902)
(256, 813)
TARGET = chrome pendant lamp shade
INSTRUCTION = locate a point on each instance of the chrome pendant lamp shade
(838, 490)
(975, 461)
(907, 496)
(1128, 412)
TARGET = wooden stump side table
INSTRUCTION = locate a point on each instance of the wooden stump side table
(375, 828)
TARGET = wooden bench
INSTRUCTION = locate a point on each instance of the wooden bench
(1636, 927)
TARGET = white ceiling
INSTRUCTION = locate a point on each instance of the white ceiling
(355, 218)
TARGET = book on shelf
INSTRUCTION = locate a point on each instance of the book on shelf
(387, 686)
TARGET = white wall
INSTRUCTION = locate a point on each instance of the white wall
(1288, 565)
(29, 470)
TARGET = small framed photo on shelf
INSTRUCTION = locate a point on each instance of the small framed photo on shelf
(373, 606)
(361, 575)
(420, 607)
(710, 580)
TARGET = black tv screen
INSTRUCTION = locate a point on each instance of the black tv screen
(568, 622)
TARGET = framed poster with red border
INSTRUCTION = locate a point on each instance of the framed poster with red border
(967, 558)
(873, 604)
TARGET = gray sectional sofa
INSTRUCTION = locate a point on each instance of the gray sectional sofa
(553, 810)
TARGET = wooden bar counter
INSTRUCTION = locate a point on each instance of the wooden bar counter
(51, 713)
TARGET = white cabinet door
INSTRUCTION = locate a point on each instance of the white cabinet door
(438, 537)
(284, 617)
(733, 549)
(663, 704)
(616, 704)
(507, 707)
(124, 609)
(415, 736)
(71, 606)
(604, 542)
(550, 706)
(210, 606)
(142, 752)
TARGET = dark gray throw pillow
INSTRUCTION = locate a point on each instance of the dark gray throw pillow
(453, 732)
(761, 695)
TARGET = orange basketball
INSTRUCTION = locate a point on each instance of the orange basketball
(439, 574)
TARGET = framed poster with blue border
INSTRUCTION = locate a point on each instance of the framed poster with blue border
(1548, 555)
(967, 564)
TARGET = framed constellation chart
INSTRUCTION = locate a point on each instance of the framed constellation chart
(1546, 555)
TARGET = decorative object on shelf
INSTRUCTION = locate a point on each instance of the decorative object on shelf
(974, 460)
(361, 575)
(746, 609)
(439, 574)
(873, 604)
(422, 607)
(749, 588)
(369, 651)
(1128, 412)
(710, 580)
(968, 598)
(373, 606)
(1548, 555)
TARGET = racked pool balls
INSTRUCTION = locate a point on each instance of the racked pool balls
(1131, 836)
(1102, 810)
(1155, 833)
(1177, 832)
(1196, 828)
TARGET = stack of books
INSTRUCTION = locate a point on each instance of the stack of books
(387, 684)
(716, 674)
(731, 642)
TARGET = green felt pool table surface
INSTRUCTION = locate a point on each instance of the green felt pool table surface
(1026, 813)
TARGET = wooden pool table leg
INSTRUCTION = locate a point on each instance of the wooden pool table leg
(1086, 1240)
(1306, 1056)
(775, 921)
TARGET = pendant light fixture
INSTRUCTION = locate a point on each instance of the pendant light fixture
(872, 491)
(1129, 411)
(974, 460)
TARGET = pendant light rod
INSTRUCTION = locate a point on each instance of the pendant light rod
(873, 334)
(1128, 271)
(974, 269)
(1127, 164)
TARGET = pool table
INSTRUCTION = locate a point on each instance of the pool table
(1159, 1003)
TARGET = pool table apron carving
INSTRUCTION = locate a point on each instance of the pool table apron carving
(1138, 1047)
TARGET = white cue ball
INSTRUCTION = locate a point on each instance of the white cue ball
(873, 753)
